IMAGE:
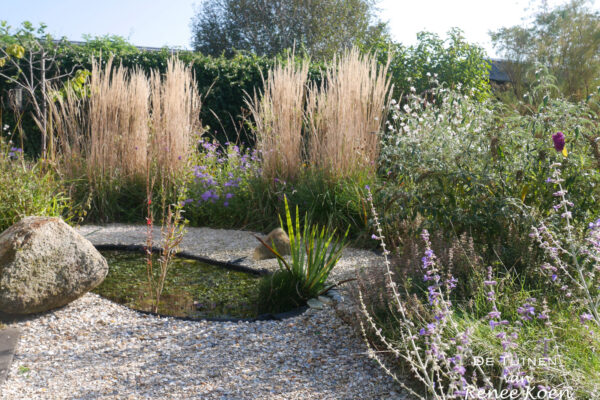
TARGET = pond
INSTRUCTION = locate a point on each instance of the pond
(193, 289)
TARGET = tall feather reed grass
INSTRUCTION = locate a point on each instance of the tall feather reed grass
(128, 117)
(174, 115)
(127, 123)
(332, 126)
(278, 113)
(345, 113)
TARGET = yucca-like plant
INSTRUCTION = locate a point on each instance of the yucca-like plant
(314, 251)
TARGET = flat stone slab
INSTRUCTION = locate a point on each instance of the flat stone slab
(8, 341)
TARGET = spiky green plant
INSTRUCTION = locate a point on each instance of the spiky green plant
(314, 251)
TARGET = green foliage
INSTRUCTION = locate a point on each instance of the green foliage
(227, 179)
(318, 27)
(107, 45)
(30, 63)
(278, 293)
(108, 198)
(461, 166)
(225, 81)
(453, 61)
(313, 254)
(28, 189)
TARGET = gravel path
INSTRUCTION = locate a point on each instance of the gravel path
(96, 349)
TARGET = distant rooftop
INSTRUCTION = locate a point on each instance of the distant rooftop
(498, 72)
(142, 48)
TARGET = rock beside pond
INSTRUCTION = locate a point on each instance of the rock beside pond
(45, 264)
(277, 239)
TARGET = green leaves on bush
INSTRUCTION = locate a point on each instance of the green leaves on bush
(28, 190)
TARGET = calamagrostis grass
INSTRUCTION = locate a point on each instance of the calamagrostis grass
(345, 113)
(129, 118)
(278, 114)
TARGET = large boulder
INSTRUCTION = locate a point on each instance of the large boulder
(44, 264)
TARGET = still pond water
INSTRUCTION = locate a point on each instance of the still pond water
(192, 289)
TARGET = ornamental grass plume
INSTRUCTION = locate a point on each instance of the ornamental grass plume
(346, 112)
(127, 118)
(278, 115)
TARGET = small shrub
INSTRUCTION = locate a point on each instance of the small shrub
(224, 183)
(573, 262)
(458, 166)
(440, 340)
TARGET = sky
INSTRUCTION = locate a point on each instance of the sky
(157, 23)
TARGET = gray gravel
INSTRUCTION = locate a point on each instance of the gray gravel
(94, 348)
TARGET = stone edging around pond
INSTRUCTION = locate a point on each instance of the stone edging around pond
(233, 266)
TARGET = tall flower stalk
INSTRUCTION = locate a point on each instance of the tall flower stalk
(172, 234)
(172, 227)
(573, 263)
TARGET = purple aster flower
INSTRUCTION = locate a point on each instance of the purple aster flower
(559, 141)
(206, 195)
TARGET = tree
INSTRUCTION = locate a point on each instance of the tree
(451, 61)
(268, 27)
(565, 39)
(29, 59)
